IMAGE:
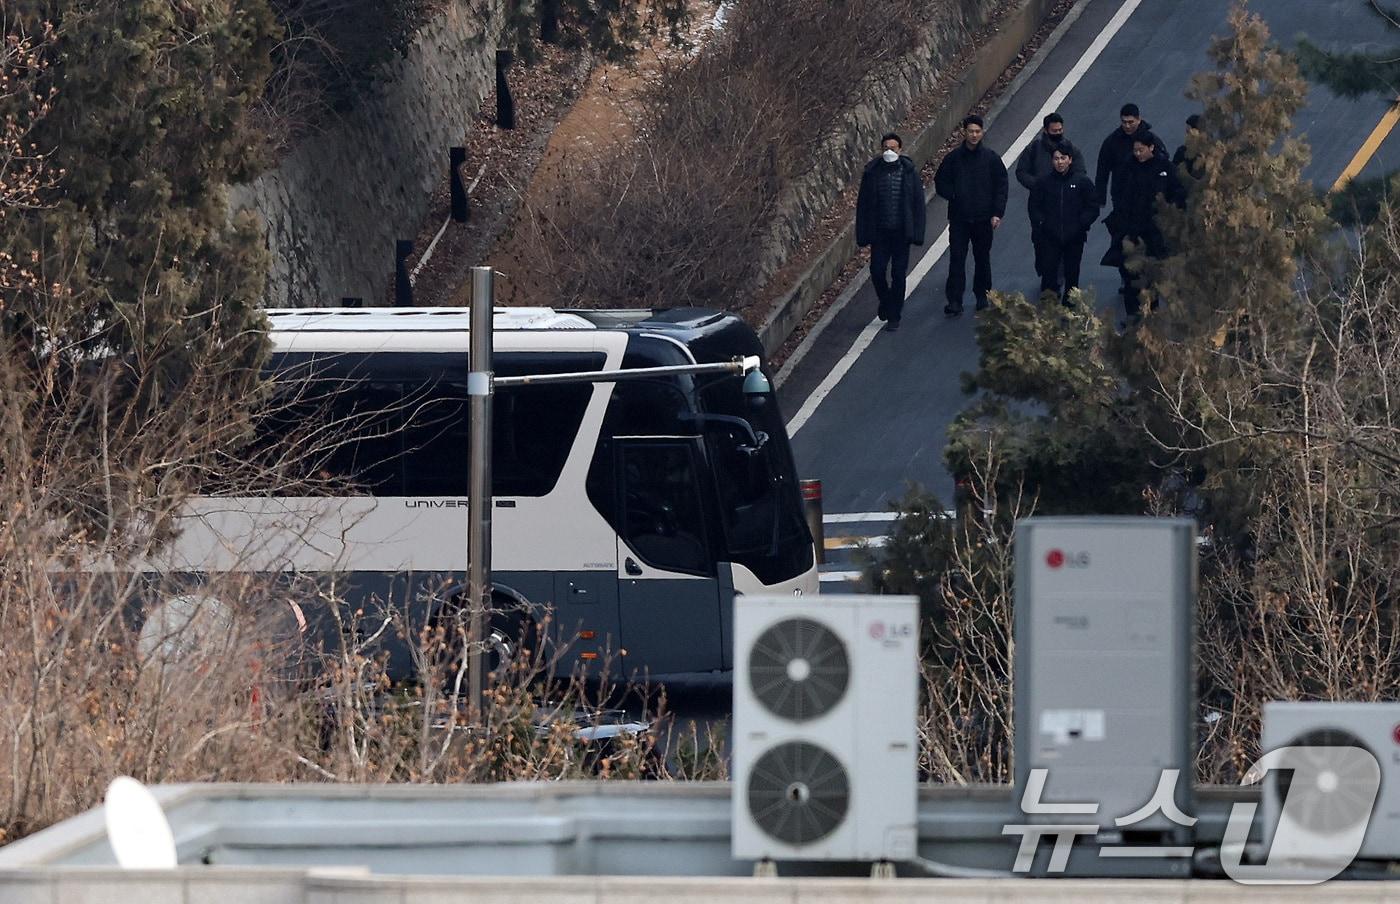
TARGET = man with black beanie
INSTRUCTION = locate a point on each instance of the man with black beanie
(890, 218)
(972, 179)
(1117, 148)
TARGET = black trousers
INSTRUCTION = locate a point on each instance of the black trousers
(960, 234)
(889, 254)
(1133, 284)
(1056, 256)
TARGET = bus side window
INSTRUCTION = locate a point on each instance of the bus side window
(663, 520)
(435, 439)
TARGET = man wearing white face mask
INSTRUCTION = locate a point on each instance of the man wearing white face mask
(890, 218)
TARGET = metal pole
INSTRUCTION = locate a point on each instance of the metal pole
(479, 482)
(812, 509)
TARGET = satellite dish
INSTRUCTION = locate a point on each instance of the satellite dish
(136, 826)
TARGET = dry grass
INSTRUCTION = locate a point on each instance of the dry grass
(681, 213)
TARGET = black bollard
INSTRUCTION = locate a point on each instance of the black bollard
(549, 21)
(505, 104)
(456, 159)
(403, 286)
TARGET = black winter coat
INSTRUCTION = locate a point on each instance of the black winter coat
(1135, 190)
(1035, 161)
(1116, 150)
(1193, 166)
(1062, 208)
(973, 182)
(911, 202)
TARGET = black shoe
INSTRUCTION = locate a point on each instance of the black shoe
(981, 304)
(953, 310)
(892, 326)
(880, 313)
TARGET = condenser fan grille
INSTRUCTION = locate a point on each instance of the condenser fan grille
(798, 793)
(798, 669)
(1341, 802)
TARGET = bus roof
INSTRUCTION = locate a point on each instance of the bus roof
(415, 320)
(706, 333)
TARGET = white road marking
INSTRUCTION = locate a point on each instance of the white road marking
(875, 542)
(854, 517)
(860, 517)
(926, 263)
(413, 276)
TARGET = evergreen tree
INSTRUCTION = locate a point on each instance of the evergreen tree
(1354, 75)
(139, 288)
(1230, 292)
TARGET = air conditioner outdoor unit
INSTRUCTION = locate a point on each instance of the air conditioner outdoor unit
(825, 740)
(1322, 815)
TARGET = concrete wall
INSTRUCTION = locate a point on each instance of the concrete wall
(537, 829)
(336, 203)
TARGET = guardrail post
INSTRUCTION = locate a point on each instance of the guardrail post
(403, 286)
(456, 159)
(505, 104)
(549, 21)
(812, 509)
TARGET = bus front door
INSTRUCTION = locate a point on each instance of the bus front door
(667, 592)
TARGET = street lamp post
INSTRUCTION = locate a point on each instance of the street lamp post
(479, 390)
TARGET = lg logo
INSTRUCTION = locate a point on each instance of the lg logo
(1058, 558)
(883, 631)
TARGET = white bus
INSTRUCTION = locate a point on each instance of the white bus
(632, 511)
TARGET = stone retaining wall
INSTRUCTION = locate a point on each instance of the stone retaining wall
(335, 204)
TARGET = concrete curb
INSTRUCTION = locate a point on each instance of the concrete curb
(994, 58)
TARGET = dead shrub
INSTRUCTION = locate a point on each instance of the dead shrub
(681, 213)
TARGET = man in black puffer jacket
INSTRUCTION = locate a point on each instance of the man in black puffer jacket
(973, 180)
(890, 218)
(1062, 207)
(1117, 148)
(1136, 186)
(1035, 161)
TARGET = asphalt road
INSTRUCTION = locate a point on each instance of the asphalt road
(882, 426)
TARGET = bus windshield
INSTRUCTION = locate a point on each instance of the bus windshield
(757, 491)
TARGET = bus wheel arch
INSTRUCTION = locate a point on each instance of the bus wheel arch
(514, 631)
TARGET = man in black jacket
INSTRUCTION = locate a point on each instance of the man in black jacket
(890, 218)
(1117, 148)
(1034, 162)
(972, 179)
(1062, 207)
(1182, 156)
(1136, 186)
